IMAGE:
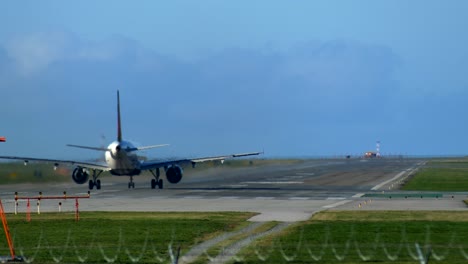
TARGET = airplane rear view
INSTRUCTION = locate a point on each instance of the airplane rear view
(121, 160)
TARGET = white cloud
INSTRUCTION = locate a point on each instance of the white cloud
(32, 53)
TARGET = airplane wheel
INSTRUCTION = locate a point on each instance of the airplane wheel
(91, 184)
(133, 185)
(160, 184)
(98, 184)
(129, 185)
(153, 183)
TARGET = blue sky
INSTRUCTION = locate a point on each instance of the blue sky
(295, 78)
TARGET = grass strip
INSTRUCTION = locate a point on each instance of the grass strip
(439, 179)
(122, 237)
(357, 237)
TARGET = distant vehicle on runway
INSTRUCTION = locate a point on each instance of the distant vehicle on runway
(121, 160)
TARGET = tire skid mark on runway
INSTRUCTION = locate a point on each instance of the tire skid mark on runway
(234, 185)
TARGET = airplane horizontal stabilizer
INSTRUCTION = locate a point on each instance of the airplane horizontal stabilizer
(153, 146)
(86, 147)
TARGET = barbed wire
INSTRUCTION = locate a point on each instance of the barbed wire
(289, 251)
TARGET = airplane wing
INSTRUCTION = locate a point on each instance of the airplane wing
(147, 165)
(84, 164)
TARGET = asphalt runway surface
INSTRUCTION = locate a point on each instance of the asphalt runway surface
(278, 192)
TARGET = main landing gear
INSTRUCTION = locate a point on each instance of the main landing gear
(131, 184)
(95, 181)
(156, 181)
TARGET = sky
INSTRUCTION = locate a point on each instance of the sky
(291, 78)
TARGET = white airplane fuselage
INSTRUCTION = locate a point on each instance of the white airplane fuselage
(122, 159)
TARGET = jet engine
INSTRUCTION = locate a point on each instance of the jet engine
(174, 174)
(80, 175)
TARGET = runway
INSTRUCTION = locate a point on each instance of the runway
(278, 192)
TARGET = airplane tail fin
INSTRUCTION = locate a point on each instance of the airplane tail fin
(119, 128)
(2, 139)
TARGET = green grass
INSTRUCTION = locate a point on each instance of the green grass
(439, 179)
(146, 236)
(357, 237)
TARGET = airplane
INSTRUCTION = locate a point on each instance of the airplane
(121, 160)
(2, 139)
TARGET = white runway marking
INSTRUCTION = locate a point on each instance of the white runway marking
(274, 182)
(193, 197)
(336, 198)
(336, 204)
(299, 198)
(229, 197)
(264, 198)
(357, 195)
(378, 186)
